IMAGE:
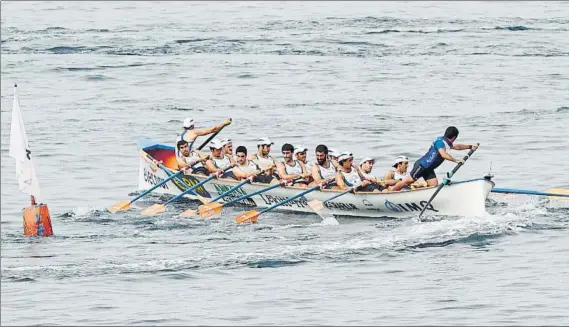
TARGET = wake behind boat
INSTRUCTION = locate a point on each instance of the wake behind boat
(462, 198)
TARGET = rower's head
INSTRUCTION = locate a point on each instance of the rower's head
(287, 151)
(333, 154)
(188, 123)
(401, 164)
(264, 146)
(241, 155)
(451, 133)
(183, 147)
(227, 146)
(215, 147)
(321, 154)
(345, 160)
(300, 153)
(367, 164)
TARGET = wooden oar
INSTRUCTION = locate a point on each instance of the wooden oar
(215, 208)
(125, 204)
(447, 180)
(325, 213)
(158, 208)
(552, 193)
(252, 215)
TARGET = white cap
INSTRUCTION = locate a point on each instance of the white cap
(299, 148)
(400, 159)
(368, 159)
(216, 144)
(333, 153)
(224, 142)
(344, 156)
(264, 141)
(188, 122)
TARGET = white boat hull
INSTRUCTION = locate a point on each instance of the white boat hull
(464, 198)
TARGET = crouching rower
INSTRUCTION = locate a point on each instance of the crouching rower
(218, 161)
(291, 169)
(348, 176)
(189, 158)
(435, 156)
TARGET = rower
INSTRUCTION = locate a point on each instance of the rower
(349, 176)
(322, 169)
(227, 147)
(333, 155)
(189, 134)
(244, 167)
(218, 161)
(435, 156)
(365, 168)
(292, 169)
(187, 158)
(264, 160)
(398, 172)
(300, 152)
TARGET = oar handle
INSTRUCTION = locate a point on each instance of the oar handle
(212, 176)
(322, 184)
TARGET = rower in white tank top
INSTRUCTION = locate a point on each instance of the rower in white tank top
(352, 178)
(326, 172)
(293, 170)
(248, 168)
(221, 163)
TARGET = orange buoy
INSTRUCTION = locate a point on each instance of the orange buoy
(37, 221)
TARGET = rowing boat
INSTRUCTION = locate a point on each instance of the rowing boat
(460, 198)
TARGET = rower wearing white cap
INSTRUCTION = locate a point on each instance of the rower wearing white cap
(218, 161)
(348, 176)
(333, 155)
(263, 159)
(300, 152)
(398, 172)
(365, 168)
(227, 145)
(189, 134)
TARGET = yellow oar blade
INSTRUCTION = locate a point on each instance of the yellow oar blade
(204, 200)
(119, 206)
(189, 213)
(558, 191)
(209, 210)
(249, 216)
(154, 209)
(316, 205)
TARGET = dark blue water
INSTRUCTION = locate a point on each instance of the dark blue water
(379, 79)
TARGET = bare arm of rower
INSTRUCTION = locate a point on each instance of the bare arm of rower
(464, 146)
(206, 131)
(447, 156)
(388, 177)
(210, 166)
(316, 174)
(340, 181)
(281, 170)
(242, 175)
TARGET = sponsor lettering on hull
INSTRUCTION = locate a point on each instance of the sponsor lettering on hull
(409, 206)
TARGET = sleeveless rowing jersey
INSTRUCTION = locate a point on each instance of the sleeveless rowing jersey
(308, 165)
(192, 158)
(264, 162)
(399, 176)
(221, 163)
(352, 178)
(327, 172)
(179, 138)
(293, 170)
(247, 168)
(432, 159)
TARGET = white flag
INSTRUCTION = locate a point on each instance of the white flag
(20, 150)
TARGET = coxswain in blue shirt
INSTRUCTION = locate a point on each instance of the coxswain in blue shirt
(437, 154)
